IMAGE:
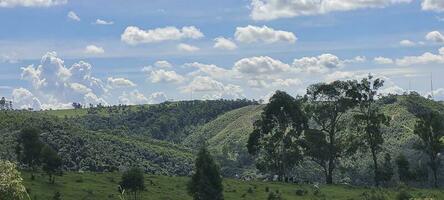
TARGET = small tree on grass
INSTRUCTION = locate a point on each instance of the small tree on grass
(29, 147)
(206, 182)
(51, 162)
(430, 129)
(133, 182)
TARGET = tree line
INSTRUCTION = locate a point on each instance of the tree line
(313, 127)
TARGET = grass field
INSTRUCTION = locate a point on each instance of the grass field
(103, 186)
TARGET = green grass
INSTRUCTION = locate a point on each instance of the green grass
(103, 186)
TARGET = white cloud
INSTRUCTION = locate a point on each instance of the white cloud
(212, 89)
(435, 36)
(93, 49)
(274, 9)
(31, 3)
(224, 44)
(134, 35)
(56, 86)
(103, 22)
(286, 82)
(407, 43)
(163, 64)
(73, 16)
(425, 58)
(319, 64)
(433, 5)
(187, 47)
(383, 60)
(133, 98)
(157, 97)
(162, 75)
(260, 65)
(208, 69)
(120, 82)
(437, 94)
(24, 99)
(251, 34)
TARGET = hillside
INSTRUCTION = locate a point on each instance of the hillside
(162, 139)
(89, 186)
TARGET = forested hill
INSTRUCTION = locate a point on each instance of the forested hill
(162, 138)
(111, 138)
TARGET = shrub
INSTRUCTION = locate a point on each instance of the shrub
(301, 192)
(403, 195)
(274, 196)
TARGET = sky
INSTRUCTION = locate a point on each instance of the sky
(55, 52)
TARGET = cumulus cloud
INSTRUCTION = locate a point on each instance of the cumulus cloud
(103, 22)
(31, 3)
(161, 75)
(212, 89)
(319, 64)
(93, 49)
(383, 60)
(274, 9)
(56, 85)
(426, 58)
(157, 97)
(260, 65)
(133, 98)
(73, 16)
(435, 36)
(224, 44)
(24, 99)
(134, 35)
(286, 82)
(163, 64)
(433, 5)
(120, 82)
(407, 43)
(210, 70)
(187, 47)
(251, 34)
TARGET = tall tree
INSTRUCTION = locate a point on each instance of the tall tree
(369, 118)
(29, 147)
(51, 162)
(133, 182)
(327, 103)
(206, 182)
(276, 138)
(430, 128)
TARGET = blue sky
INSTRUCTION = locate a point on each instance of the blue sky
(54, 52)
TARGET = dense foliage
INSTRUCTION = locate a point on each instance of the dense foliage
(11, 183)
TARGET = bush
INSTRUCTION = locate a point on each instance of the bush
(274, 196)
(403, 195)
(301, 192)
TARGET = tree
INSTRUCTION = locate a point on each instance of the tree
(403, 169)
(133, 182)
(327, 103)
(206, 182)
(430, 129)
(276, 138)
(29, 147)
(11, 183)
(369, 118)
(386, 171)
(51, 162)
(2, 103)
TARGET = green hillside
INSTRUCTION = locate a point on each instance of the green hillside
(103, 186)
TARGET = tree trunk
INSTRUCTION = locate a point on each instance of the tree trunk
(329, 178)
(376, 170)
(435, 176)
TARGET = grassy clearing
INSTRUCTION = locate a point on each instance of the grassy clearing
(103, 186)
